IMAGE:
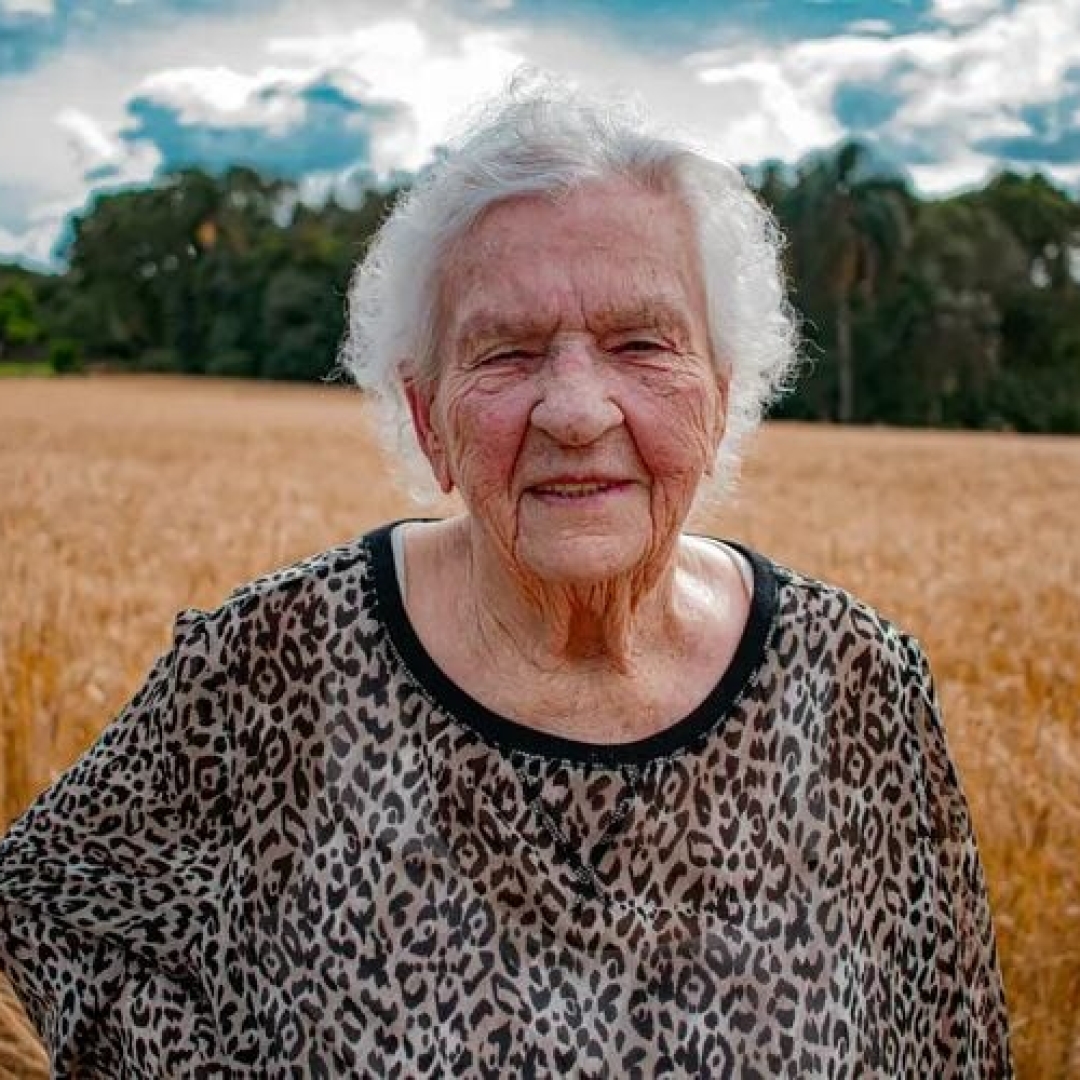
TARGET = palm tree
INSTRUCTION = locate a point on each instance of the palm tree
(850, 227)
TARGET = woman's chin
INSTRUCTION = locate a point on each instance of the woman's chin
(584, 541)
(581, 561)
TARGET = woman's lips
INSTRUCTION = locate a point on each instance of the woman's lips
(576, 490)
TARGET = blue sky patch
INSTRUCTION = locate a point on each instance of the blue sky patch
(863, 107)
(332, 133)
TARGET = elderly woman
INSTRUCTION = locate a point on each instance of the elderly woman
(551, 787)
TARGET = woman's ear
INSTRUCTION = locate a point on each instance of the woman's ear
(419, 398)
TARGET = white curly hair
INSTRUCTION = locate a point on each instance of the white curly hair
(539, 138)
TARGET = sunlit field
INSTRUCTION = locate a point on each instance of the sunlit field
(124, 500)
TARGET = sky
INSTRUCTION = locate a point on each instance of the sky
(98, 95)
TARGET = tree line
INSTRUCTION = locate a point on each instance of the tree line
(959, 312)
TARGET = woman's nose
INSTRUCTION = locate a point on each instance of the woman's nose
(575, 406)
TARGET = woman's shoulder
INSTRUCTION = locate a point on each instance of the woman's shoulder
(337, 569)
(320, 586)
(831, 622)
(282, 625)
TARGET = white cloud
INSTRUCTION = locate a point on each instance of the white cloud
(975, 89)
(963, 170)
(90, 144)
(35, 242)
(781, 96)
(43, 8)
(870, 26)
(763, 113)
(1013, 59)
(218, 94)
(954, 86)
(437, 71)
(964, 12)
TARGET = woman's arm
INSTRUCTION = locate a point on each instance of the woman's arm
(109, 883)
(972, 1018)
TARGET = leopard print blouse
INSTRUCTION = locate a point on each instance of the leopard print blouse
(301, 850)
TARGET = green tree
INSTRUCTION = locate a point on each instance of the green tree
(850, 227)
(159, 262)
(941, 325)
(960, 311)
(1044, 220)
(19, 324)
(299, 344)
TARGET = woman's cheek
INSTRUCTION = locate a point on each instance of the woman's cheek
(487, 432)
(677, 436)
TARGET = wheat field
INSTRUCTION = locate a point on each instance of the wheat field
(124, 500)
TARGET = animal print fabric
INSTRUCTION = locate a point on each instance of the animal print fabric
(301, 851)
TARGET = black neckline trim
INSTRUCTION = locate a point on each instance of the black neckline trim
(511, 735)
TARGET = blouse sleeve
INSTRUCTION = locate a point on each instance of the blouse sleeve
(109, 882)
(972, 1018)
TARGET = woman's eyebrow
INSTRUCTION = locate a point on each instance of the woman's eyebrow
(488, 326)
(658, 314)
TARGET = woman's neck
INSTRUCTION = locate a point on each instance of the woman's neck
(598, 626)
(607, 663)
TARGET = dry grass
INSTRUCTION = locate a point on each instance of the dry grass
(122, 501)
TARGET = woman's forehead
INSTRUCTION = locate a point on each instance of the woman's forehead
(614, 257)
(598, 215)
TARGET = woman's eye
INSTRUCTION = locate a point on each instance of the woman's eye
(639, 345)
(508, 354)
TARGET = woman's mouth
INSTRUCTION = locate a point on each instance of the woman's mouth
(570, 490)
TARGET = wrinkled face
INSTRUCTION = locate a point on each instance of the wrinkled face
(576, 407)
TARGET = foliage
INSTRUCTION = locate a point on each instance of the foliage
(17, 369)
(959, 312)
(18, 316)
(65, 357)
(232, 363)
